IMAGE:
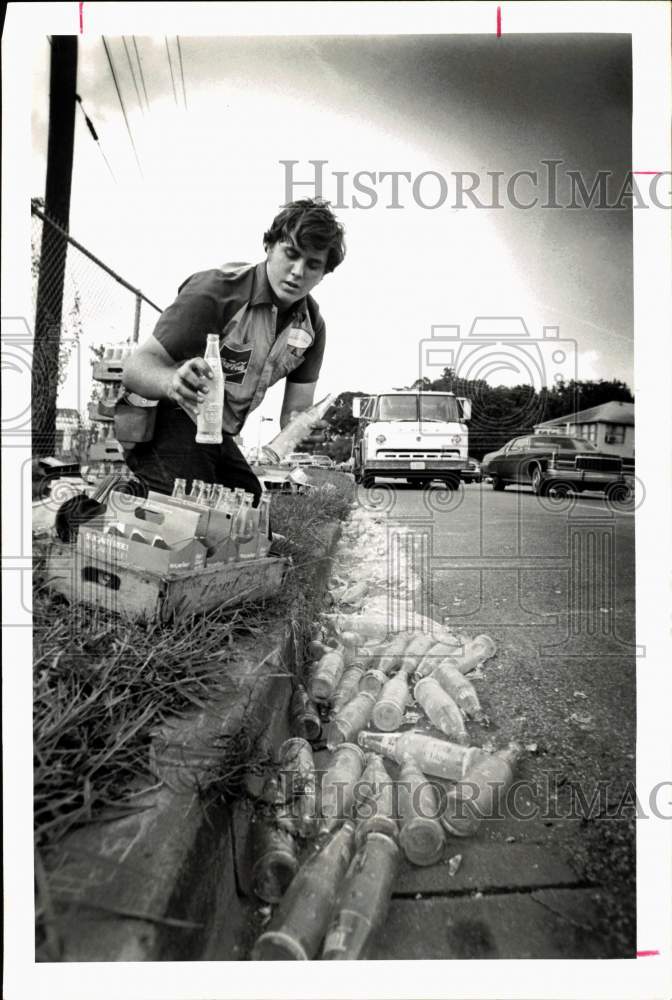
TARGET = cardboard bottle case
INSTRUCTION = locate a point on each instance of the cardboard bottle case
(113, 551)
(157, 515)
(83, 577)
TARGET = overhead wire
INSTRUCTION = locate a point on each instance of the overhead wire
(121, 102)
(94, 134)
(142, 75)
(184, 87)
(170, 63)
(130, 66)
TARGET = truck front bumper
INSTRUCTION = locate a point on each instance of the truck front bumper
(403, 469)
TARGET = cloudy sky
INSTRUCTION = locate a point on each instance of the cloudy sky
(210, 180)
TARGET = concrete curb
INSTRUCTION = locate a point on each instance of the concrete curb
(149, 887)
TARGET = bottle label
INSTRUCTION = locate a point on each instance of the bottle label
(235, 363)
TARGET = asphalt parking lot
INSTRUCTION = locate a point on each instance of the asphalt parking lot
(553, 582)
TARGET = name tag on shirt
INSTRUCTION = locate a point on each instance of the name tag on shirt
(299, 338)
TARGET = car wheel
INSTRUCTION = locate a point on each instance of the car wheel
(559, 490)
(619, 493)
(539, 486)
(497, 483)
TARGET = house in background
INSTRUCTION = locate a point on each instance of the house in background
(610, 426)
(68, 422)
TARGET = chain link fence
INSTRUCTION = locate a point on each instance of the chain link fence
(80, 305)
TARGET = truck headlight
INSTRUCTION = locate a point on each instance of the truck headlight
(381, 439)
(456, 439)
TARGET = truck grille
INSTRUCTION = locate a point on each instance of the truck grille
(418, 453)
(591, 464)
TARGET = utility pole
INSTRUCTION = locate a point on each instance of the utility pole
(48, 312)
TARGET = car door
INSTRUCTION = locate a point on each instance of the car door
(518, 453)
(508, 463)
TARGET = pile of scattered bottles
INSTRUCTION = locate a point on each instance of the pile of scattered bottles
(361, 819)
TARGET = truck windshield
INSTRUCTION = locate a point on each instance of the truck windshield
(432, 408)
(439, 408)
(398, 408)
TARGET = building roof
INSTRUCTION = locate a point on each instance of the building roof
(614, 412)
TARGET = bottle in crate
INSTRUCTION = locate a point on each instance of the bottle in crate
(180, 489)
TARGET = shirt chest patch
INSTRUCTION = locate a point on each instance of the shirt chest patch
(299, 338)
(235, 362)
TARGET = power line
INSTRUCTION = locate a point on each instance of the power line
(184, 88)
(94, 134)
(121, 102)
(170, 63)
(142, 75)
(130, 66)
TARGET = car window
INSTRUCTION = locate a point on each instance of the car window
(582, 444)
(558, 441)
(518, 444)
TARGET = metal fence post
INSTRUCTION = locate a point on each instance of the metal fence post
(136, 324)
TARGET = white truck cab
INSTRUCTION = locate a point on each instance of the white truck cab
(416, 436)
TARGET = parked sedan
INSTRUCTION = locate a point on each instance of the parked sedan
(557, 465)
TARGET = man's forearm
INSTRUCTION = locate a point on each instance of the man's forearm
(149, 377)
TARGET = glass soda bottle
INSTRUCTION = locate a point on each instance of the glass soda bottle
(373, 681)
(391, 705)
(364, 898)
(390, 654)
(304, 912)
(351, 719)
(438, 757)
(209, 420)
(348, 687)
(303, 716)
(274, 861)
(440, 709)
(473, 653)
(298, 782)
(415, 650)
(422, 838)
(327, 675)
(338, 785)
(460, 689)
(376, 806)
(180, 489)
(477, 796)
(433, 656)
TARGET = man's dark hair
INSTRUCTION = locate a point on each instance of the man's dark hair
(313, 226)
